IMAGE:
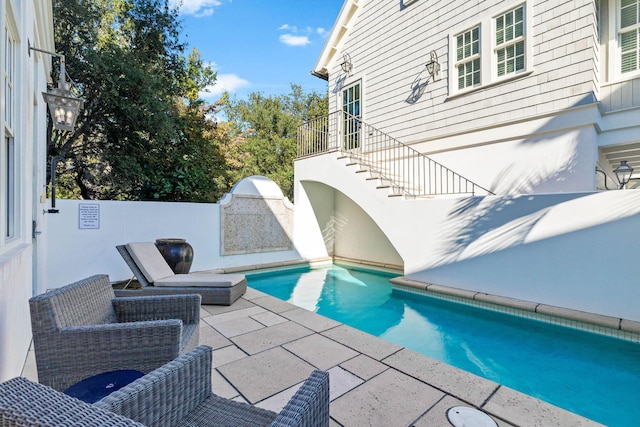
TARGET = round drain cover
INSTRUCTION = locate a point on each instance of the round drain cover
(464, 416)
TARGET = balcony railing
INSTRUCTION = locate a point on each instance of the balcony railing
(408, 171)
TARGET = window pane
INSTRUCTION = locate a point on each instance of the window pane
(630, 49)
(519, 63)
(467, 44)
(629, 41)
(10, 188)
(629, 62)
(629, 13)
(501, 69)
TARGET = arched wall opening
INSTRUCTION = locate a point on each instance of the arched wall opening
(347, 230)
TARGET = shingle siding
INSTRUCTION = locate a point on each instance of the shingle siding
(390, 46)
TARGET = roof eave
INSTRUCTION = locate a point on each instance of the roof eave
(336, 37)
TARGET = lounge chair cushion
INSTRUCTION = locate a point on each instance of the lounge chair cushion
(150, 261)
(209, 280)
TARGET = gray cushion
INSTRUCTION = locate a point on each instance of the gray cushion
(150, 261)
(208, 280)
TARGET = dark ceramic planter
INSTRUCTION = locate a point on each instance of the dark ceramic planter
(178, 254)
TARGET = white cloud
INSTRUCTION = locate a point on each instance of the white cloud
(291, 28)
(322, 31)
(224, 83)
(291, 40)
(198, 8)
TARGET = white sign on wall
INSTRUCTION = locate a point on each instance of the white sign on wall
(88, 216)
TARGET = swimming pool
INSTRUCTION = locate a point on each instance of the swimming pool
(590, 374)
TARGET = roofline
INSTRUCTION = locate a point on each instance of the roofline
(342, 23)
(322, 76)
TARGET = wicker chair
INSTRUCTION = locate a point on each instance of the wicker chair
(179, 394)
(25, 403)
(81, 330)
(176, 394)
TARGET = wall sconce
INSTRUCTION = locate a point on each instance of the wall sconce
(433, 66)
(346, 65)
(63, 106)
(623, 174)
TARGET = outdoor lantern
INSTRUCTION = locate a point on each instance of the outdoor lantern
(346, 63)
(63, 106)
(623, 173)
(433, 66)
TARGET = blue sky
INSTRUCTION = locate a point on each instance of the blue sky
(259, 45)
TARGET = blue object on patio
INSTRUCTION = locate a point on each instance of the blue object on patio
(94, 388)
(177, 394)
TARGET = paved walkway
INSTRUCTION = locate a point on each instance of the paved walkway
(265, 347)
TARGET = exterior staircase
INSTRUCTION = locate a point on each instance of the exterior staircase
(397, 168)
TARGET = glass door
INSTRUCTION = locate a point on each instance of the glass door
(351, 116)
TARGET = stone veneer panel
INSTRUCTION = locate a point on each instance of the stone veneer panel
(253, 224)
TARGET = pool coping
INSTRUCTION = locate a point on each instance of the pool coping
(597, 323)
(592, 322)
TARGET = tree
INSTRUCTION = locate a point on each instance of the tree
(263, 130)
(143, 132)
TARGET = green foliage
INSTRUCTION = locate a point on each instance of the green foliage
(263, 131)
(144, 134)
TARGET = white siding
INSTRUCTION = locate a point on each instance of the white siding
(390, 47)
(30, 22)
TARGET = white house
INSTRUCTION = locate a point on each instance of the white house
(467, 142)
(22, 169)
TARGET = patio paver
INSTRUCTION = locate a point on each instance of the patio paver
(372, 381)
(272, 336)
(310, 320)
(362, 342)
(469, 387)
(389, 399)
(266, 374)
(320, 351)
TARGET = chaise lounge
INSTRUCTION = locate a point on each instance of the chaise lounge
(157, 278)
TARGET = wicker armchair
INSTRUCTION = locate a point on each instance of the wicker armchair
(179, 394)
(81, 330)
(176, 394)
(25, 403)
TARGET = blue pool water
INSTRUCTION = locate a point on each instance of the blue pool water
(593, 375)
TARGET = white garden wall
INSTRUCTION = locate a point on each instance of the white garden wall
(76, 250)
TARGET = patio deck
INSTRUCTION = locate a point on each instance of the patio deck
(265, 347)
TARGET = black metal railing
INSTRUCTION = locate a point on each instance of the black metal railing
(408, 171)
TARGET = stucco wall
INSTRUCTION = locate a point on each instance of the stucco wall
(75, 252)
(573, 250)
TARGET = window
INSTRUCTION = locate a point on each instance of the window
(468, 58)
(510, 46)
(492, 50)
(9, 76)
(9, 177)
(629, 34)
(8, 162)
